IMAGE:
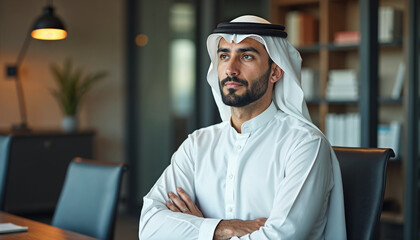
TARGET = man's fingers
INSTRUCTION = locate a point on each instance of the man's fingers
(171, 207)
(178, 203)
(190, 204)
(261, 221)
(183, 203)
(186, 198)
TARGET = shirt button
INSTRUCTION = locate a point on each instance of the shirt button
(230, 176)
(238, 147)
(230, 209)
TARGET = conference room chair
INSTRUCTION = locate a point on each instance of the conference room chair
(4, 158)
(363, 173)
(89, 199)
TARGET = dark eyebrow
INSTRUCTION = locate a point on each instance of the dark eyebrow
(248, 49)
(240, 50)
(223, 50)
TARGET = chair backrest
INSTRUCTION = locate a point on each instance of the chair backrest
(4, 160)
(363, 173)
(89, 198)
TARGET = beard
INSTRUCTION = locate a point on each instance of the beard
(257, 89)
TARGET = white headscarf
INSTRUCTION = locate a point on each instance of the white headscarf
(288, 96)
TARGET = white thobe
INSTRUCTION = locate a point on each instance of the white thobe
(277, 167)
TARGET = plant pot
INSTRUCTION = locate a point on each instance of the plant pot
(69, 123)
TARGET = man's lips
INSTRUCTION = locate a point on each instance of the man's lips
(233, 85)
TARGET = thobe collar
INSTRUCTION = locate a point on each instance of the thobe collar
(259, 121)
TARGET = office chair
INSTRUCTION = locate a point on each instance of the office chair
(4, 159)
(89, 198)
(363, 173)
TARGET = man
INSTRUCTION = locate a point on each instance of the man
(265, 172)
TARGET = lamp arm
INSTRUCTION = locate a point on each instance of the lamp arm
(22, 106)
(19, 90)
(23, 50)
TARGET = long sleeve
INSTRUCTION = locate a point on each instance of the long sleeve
(301, 199)
(277, 168)
(156, 221)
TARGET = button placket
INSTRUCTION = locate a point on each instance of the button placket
(229, 192)
(230, 175)
(238, 147)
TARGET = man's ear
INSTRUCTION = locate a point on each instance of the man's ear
(276, 73)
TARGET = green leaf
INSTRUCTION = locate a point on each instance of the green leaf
(72, 85)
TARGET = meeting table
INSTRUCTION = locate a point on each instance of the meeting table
(37, 230)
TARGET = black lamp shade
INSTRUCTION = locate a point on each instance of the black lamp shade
(49, 26)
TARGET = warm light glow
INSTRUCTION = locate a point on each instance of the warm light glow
(49, 34)
(141, 40)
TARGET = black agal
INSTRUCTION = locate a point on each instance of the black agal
(251, 28)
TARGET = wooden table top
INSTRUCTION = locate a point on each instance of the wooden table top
(37, 230)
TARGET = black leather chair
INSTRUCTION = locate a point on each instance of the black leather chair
(363, 173)
(89, 198)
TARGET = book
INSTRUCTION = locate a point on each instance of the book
(292, 27)
(341, 75)
(396, 137)
(353, 129)
(342, 85)
(396, 91)
(336, 96)
(343, 129)
(384, 136)
(308, 29)
(12, 228)
(357, 125)
(390, 24)
(347, 37)
(309, 84)
(389, 136)
(329, 128)
(302, 28)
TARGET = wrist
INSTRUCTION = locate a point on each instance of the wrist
(223, 230)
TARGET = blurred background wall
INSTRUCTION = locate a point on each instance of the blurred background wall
(95, 42)
(155, 92)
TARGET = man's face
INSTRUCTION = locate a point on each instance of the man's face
(243, 70)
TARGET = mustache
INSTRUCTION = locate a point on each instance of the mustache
(234, 79)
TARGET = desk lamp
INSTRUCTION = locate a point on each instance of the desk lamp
(46, 27)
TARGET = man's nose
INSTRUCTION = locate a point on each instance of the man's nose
(232, 68)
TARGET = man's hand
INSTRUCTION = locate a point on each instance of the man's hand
(184, 205)
(229, 228)
(225, 229)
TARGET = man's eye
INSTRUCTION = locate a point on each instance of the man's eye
(248, 57)
(223, 57)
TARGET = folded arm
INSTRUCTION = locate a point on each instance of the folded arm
(157, 221)
(299, 207)
(300, 204)
(226, 229)
(302, 197)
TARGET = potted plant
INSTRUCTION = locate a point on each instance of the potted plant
(72, 86)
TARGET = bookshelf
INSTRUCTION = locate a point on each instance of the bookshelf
(376, 64)
(323, 56)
